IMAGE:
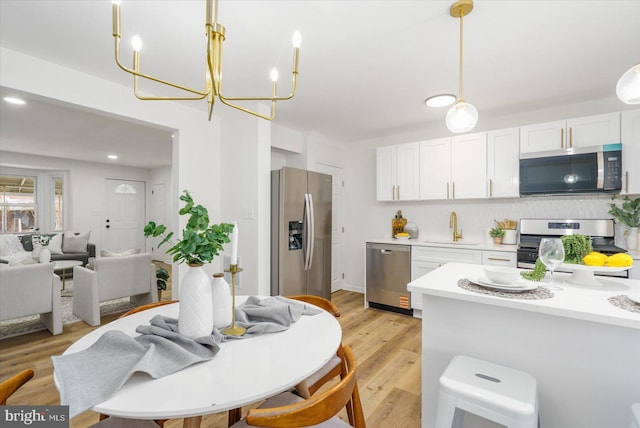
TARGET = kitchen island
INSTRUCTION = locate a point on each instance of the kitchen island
(583, 350)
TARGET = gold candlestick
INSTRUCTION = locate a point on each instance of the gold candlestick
(233, 329)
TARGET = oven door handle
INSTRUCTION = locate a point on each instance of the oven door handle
(600, 160)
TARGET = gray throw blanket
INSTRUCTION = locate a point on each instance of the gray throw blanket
(91, 376)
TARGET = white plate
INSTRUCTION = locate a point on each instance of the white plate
(519, 285)
(635, 297)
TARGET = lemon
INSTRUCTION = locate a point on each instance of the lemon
(592, 259)
(619, 260)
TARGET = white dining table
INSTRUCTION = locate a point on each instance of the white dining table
(244, 371)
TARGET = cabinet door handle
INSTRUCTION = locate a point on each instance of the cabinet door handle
(490, 187)
(447, 190)
(562, 138)
(626, 180)
(570, 137)
(453, 193)
(499, 259)
(393, 193)
(398, 192)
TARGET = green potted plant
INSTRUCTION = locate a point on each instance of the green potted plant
(629, 215)
(200, 243)
(162, 276)
(497, 234)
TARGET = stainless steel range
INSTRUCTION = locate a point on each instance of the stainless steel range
(533, 230)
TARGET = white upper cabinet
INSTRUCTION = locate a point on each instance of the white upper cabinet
(469, 166)
(454, 168)
(398, 172)
(572, 133)
(503, 163)
(630, 132)
(435, 168)
(386, 173)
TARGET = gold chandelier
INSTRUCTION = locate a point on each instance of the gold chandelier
(215, 37)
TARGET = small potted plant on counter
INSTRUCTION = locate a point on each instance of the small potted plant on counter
(497, 234)
(162, 276)
(629, 215)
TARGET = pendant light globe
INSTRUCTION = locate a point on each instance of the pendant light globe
(628, 87)
(461, 117)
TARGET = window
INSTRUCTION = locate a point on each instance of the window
(17, 203)
(58, 202)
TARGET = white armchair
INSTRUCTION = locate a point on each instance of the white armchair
(31, 290)
(113, 278)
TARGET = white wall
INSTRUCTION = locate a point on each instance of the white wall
(365, 218)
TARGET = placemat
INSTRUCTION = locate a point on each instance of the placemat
(623, 302)
(537, 294)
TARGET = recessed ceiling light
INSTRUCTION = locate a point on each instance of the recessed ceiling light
(441, 100)
(112, 157)
(14, 100)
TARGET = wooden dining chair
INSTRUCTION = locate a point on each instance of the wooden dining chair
(147, 306)
(331, 369)
(107, 421)
(11, 385)
(320, 410)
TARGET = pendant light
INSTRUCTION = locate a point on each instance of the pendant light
(462, 116)
(628, 87)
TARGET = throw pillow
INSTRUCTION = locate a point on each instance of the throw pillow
(73, 243)
(55, 245)
(10, 244)
(130, 252)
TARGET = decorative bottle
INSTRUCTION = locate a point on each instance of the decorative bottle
(195, 318)
(221, 301)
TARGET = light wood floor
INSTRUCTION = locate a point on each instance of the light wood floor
(386, 345)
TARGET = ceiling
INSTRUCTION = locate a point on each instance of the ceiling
(366, 66)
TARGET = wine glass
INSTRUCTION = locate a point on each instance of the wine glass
(551, 252)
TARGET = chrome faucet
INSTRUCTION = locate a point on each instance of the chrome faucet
(453, 224)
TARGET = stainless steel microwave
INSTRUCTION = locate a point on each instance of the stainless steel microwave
(576, 170)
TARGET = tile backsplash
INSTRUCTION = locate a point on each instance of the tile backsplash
(476, 217)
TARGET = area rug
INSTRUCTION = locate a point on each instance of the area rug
(24, 325)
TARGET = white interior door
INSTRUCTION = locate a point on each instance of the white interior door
(336, 224)
(124, 221)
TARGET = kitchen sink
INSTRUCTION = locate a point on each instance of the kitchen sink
(452, 242)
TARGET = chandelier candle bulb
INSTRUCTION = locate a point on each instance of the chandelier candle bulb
(274, 75)
(136, 43)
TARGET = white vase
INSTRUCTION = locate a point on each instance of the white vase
(632, 238)
(195, 318)
(45, 255)
(510, 237)
(221, 301)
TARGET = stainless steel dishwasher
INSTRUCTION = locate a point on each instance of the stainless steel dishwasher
(387, 276)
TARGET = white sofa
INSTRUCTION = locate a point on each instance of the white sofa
(131, 276)
(31, 290)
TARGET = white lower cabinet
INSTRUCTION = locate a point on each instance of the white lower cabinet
(499, 258)
(426, 259)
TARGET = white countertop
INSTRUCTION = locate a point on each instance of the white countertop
(587, 303)
(473, 245)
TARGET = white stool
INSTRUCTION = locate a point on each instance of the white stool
(497, 393)
(635, 416)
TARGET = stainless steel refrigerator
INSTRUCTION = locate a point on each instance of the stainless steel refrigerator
(300, 232)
